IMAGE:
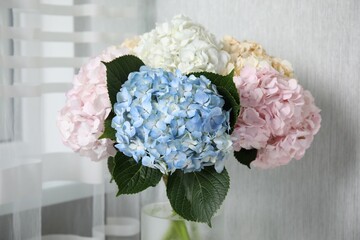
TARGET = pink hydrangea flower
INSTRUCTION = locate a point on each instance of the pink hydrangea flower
(278, 117)
(81, 120)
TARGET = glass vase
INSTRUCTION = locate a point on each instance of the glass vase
(160, 222)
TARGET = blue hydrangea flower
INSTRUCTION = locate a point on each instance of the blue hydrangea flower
(170, 121)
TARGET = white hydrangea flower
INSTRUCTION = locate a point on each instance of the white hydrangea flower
(182, 44)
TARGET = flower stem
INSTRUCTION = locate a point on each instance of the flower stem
(165, 179)
(177, 231)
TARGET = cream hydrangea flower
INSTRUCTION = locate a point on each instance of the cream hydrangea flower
(131, 43)
(253, 54)
(184, 45)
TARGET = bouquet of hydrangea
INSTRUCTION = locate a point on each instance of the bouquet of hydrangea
(176, 103)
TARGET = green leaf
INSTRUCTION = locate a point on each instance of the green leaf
(246, 156)
(109, 132)
(230, 103)
(197, 196)
(226, 88)
(111, 166)
(223, 81)
(132, 177)
(117, 72)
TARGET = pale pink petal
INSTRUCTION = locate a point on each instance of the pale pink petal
(277, 117)
(81, 121)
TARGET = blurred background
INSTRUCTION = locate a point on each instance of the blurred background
(50, 193)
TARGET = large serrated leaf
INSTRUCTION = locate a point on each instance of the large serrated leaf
(223, 81)
(230, 103)
(197, 196)
(111, 166)
(132, 177)
(117, 72)
(226, 88)
(245, 156)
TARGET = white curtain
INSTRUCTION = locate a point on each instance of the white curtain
(318, 197)
(46, 191)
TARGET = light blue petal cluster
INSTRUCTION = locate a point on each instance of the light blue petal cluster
(171, 121)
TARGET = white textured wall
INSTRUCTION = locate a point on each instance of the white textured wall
(318, 197)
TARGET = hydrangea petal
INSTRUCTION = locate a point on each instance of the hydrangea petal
(170, 131)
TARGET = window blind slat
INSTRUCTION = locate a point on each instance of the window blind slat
(26, 90)
(38, 35)
(91, 10)
(40, 62)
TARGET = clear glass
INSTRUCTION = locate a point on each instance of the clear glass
(159, 222)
